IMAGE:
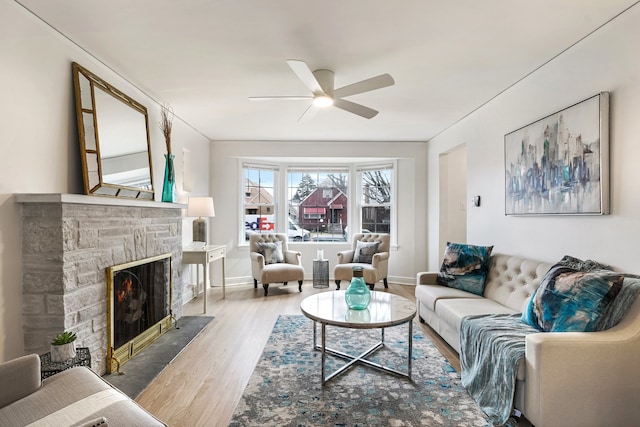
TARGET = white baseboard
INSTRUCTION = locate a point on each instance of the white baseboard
(247, 280)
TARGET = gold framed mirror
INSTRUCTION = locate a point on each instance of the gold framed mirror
(114, 139)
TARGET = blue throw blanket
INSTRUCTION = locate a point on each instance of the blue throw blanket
(500, 340)
(490, 348)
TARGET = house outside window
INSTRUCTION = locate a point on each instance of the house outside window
(259, 207)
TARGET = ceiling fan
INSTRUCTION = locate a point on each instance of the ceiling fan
(320, 83)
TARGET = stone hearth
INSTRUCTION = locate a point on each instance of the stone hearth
(68, 241)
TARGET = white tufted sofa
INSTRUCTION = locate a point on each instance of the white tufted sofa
(567, 378)
(510, 283)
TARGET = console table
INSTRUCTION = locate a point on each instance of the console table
(204, 255)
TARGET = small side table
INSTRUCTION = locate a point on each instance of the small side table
(48, 368)
(320, 273)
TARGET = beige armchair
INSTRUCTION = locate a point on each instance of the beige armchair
(268, 265)
(372, 272)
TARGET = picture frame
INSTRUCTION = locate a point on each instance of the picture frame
(559, 165)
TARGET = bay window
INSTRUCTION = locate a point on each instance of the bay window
(314, 203)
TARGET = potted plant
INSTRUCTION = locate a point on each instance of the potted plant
(63, 347)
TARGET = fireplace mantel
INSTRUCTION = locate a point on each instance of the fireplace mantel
(81, 199)
(68, 241)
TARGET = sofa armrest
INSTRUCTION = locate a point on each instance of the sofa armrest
(21, 377)
(427, 278)
(594, 366)
(345, 257)
(98, 422)
(293, 257)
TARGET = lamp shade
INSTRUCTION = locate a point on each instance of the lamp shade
(201, 206)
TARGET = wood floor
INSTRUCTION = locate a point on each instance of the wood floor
(205, 382)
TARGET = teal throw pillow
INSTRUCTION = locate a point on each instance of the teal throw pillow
(465, 267)
(570, 300)
(272, 252)
(365, 251)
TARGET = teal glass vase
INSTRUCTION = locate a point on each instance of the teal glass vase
(169, 185)
(358, 294)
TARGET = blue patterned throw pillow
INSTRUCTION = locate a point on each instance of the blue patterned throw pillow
(465, 267)
(570, 300)
(365, 251)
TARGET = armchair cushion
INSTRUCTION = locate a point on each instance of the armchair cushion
(465, 267)
(364, 251)
(272, 252)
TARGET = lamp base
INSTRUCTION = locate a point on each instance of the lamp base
(200, 230)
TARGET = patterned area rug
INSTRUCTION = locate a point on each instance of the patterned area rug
(285, 388)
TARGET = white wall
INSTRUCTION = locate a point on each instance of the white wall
(605, 61)
(453, 197)
(40, 149)
(411, 200)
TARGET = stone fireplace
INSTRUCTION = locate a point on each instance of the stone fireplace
(68, 243)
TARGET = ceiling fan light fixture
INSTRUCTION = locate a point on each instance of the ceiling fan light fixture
(322, 101)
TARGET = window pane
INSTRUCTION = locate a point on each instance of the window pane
(318, 203)
(376, 200)
(376, 219)
(259, 201)
(376, 187)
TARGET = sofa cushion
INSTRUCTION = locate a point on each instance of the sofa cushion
(512, 280)
(365, 251)
(453, 310)
(570, 300)
(430, 294)
(465, 267)
(272, 252)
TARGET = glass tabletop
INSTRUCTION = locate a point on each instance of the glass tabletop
(384, 310)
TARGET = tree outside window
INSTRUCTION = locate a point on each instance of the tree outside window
(376, 200)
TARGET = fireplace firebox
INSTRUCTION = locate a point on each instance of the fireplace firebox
(138, 307)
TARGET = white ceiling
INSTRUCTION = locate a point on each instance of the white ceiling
(206, 58)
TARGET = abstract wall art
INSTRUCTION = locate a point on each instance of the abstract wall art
(560, 164)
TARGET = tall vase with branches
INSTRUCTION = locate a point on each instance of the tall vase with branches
(169, 185)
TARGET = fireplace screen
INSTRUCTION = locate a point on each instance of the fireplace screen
(139, 310)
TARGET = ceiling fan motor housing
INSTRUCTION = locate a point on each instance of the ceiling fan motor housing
(326, 79)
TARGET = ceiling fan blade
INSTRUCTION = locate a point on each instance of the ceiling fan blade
(304, 73)
(354, 108)
(378, 82)
(276, 98)
(308, 113)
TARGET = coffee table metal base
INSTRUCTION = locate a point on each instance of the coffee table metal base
(361, 358)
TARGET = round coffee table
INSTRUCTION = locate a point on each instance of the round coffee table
(385, 310)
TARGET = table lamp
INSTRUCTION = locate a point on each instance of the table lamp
(200, 207)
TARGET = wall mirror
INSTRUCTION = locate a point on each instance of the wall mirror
(114, 139)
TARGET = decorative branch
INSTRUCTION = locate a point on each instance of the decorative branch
(166, 123)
